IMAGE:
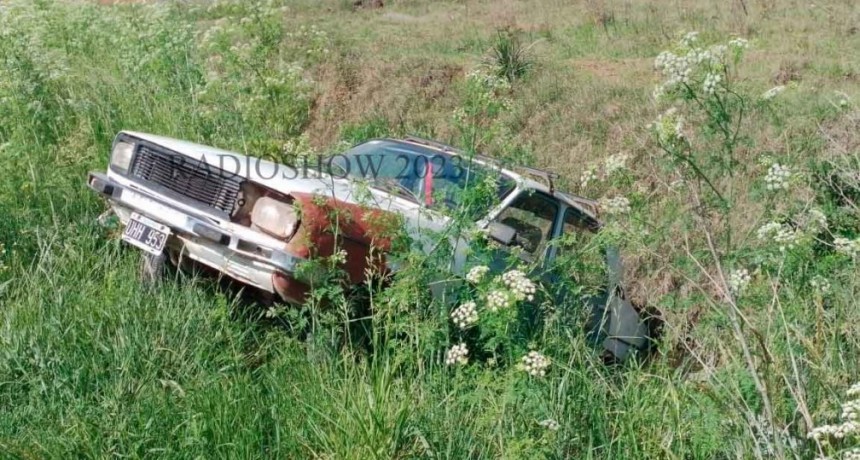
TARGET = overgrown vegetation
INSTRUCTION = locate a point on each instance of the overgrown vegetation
(732, 189)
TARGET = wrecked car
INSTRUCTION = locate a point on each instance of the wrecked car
(257, 221)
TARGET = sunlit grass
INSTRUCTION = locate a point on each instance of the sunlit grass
(95, 365)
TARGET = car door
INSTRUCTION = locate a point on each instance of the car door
(585, 277)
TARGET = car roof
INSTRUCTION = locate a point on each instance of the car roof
(589, 207)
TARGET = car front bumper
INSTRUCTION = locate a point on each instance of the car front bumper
(262, 265)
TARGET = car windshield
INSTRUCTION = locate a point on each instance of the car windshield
(437, 179)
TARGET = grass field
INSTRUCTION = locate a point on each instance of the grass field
(95, 365)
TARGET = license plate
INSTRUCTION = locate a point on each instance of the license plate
(146, 234)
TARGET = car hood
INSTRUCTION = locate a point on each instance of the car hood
(287, 180)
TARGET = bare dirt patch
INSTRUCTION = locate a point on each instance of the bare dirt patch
(616, 71)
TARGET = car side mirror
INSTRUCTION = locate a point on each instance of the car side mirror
(502, 233)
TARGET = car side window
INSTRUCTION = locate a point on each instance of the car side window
(532, 216)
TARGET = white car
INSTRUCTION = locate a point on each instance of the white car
(256, 221)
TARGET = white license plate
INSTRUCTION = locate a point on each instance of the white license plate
(146, 234)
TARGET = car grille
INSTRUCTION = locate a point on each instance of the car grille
(187, 177)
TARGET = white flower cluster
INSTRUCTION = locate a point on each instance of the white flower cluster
(815, 220)
(465, 315)
(690, 38)
(820, 284)
(488, 80)
(477, 273)
(739, 279)
(773, 92)
(709, 86)
(616, 205)
(850, 415)
(299, 146)
(615, 163)
(835, 431)
(676, 69)
(587, 176)
(739, 43)
(842, 100)
(851, 454)
(846, 246)
(549, 424)
(314, 40)
(768, 229)
(777, 177)
(784, 235)
(498, 299)
(535, 364)
(692, 63)
(457, 354)
(521, 287)
(851, 409)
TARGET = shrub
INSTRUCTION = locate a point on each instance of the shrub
(509, 58)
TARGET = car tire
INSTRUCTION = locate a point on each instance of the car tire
(152, 268)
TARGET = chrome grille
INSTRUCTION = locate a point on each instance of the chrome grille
(187, 177)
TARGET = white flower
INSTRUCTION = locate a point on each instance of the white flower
(739, 43)
(457, 354)
(616, 205)
(498, 299)
(690, 38)
(738, 280)
(615, 163)
(465, 315)
(773, 92)
(777, 177)
(535, 364)
(709, 86)
(822, 285)
(676, 69)
(476, 274)
(587, 176)
(842, 100)
(549, 424)
(846, 246)
(521, 287)
(768, 229)
(851, 454)
(782, 234)
(815, 220)
(835, 431)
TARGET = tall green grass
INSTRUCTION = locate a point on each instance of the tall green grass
(95, 365)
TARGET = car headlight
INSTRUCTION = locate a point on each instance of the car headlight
(274, 217)
(121, 156)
